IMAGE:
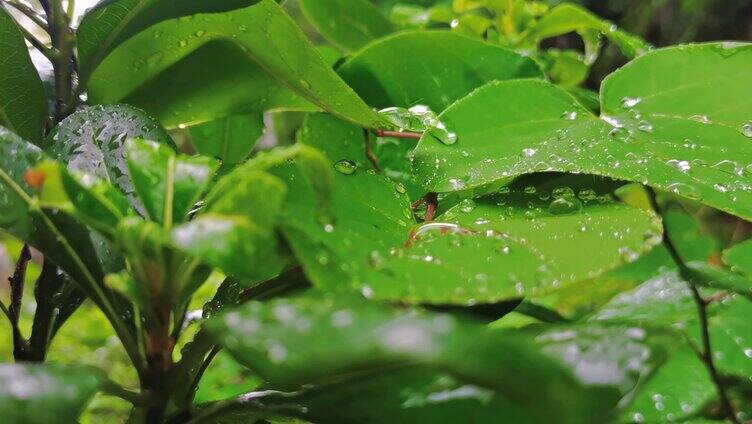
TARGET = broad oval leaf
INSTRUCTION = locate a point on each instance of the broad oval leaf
(511, 245)
(23, 103)
(739, 258)
(347, 24)
(229, 139)
(511, 128)
(432, 68)
(16, 158)
(267, 38)
(45, 393)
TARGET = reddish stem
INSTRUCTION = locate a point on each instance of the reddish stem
(432, 203)
(399, 134)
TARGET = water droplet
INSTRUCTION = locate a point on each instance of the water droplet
(630, 101)
(645, 126)
(619, 134)
(564, 206)
(467, 205)
(703, 119)
(400, 188)
(685, 190)
(747, 129)
(681, 165)
(346, 166)
(200, 33)
(528, 152)
(569, 115)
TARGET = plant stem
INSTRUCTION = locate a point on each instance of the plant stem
(707, 352)
(398, 134)
(61, 37)
(20, 345)
(432, 203)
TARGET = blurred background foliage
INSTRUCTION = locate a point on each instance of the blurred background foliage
(87, 337)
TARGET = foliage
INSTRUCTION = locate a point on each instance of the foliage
(459, 231)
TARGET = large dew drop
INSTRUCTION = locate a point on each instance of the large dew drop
(346, 166)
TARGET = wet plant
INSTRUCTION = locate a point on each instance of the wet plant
(458, 231)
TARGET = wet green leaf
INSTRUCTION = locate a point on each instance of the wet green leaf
(347, 24)
(739, 258)
(395, 70)
(168, 184)
(570, 18)
(92, 141)
(528, 237)
(39, 394)
(228, 139)
(366, 340)
(111, 22)
(265, 36)
(23, 103)
(507, 129)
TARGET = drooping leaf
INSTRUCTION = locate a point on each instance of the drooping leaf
(570, 18)
(44, 393)
(229, 139)
(509, 245)
(23, 104)
(265, 36)
(363, 337)
(511, 128)
(347, 24)
(686, 234)
(16, 158)
(92, 141)
(168, 184)
(107, 25)
(401, 70)
(714, 277)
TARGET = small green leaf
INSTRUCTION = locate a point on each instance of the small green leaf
(228, 139)
(45, 393)
(23, 103)
(397, 70)
(92, 141)
(347, 24)
(570, 18)
(168, 184)
(267, 37)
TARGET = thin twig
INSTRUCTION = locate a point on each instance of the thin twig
(20, 345)
(369, 150)
(432, 203)
(398, 134)
(200, 373)
(38, 44)
(707, 352)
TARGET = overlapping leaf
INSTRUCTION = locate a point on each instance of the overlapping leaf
(347, 24)
(261, 35)
(23, 104)
(684, 132)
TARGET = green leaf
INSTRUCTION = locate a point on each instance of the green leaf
(236, 231)
(16, 158)
(432, 68)
(44, 393)
(229, 139)
(526, 234)
(569, 18)
(347, 24)
(511, 128)
(92, 141)
(267, 38)
(364, 339)
(111, 22)
(731, 335)
(680, 389)
(368, 215)
(23, 104)
(686, 235)
(719, 278)
(168, 184)
(95, 202)
(739, 257)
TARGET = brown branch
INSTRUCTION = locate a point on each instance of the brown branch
(16, 297)
(369, 151)
(432, 203)
(398, 134)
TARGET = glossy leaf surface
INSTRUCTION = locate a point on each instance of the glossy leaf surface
(347, 24)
